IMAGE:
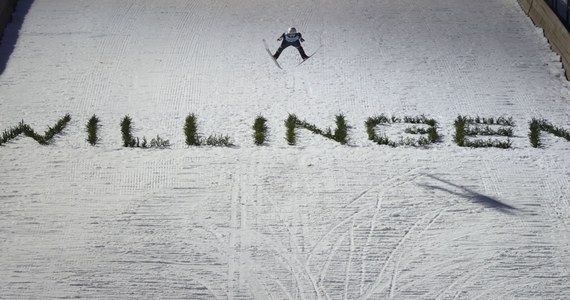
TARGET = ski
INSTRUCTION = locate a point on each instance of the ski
(269, 52)
(309, 56)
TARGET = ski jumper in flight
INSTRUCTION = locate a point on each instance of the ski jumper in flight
(291, 38)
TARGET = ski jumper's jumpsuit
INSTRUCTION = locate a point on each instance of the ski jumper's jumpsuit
(291, 40)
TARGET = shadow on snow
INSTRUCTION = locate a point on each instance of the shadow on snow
(12, 32)
(472, 196)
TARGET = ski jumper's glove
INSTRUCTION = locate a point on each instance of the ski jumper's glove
(302, 40)
(280, 38)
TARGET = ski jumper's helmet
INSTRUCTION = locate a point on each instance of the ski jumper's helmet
(292, 31)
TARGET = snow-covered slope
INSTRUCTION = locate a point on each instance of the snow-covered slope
(318, 220)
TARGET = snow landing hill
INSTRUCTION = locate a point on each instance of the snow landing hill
(318, 220)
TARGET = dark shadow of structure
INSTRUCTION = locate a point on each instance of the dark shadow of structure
(472, 196)
(12, 32)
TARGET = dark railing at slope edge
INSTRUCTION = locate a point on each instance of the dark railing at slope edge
(560, 7)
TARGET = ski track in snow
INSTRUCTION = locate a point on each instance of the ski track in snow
(314, 221)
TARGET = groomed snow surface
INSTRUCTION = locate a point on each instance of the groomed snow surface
(318, 220)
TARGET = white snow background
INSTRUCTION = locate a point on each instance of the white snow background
(318, 220)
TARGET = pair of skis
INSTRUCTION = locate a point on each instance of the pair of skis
(275, 61)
